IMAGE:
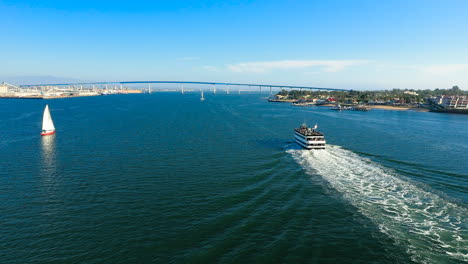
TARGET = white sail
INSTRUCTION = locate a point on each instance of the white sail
(47, 123)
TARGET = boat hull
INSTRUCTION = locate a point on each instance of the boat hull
(305, 144)
(48, 133)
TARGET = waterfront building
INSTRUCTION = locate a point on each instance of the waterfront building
(3, 89)
(410, 93)
(452, 101)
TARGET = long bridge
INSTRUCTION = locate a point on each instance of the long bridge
(186, 82)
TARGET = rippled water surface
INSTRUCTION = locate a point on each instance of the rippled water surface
(166, 178)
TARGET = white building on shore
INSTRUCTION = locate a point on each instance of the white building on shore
(3, 89)
(452, 101)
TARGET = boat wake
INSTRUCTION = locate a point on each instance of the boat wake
(432, 229)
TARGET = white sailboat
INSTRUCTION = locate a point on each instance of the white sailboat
(202, 97)
(47, 123)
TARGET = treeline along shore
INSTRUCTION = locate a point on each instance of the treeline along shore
(452, 100)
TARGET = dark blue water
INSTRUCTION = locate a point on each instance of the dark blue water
(166, 178)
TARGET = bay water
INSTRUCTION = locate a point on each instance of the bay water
(166, 178)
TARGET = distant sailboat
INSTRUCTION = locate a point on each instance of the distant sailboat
(47, 123)
(202, 97)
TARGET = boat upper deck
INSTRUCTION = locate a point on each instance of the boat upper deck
(306, 131)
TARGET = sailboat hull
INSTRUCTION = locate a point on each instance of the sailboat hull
(47, 133)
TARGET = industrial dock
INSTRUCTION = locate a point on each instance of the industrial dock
(10, 91)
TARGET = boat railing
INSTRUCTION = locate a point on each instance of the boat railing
(308, 132)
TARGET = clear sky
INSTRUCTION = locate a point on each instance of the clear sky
(415, 44)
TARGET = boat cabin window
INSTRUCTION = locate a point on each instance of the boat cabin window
(315, 138)
(315, 144)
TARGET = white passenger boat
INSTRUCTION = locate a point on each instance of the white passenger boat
(48, 127)
(309, 138)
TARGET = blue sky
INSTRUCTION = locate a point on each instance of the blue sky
(415, 44)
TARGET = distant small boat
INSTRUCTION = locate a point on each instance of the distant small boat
(361, 108)
(47, 123)
(339, 107)
(202, 97)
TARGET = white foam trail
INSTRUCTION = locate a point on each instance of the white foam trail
(432, 229)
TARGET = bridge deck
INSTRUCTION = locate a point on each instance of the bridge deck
(185, 82)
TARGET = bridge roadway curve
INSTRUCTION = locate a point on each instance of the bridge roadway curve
(185, 82)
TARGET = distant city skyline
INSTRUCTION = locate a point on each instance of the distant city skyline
(341, 44)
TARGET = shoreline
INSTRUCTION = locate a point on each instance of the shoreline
(384, 107)
(46, 97)
(399, 108)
